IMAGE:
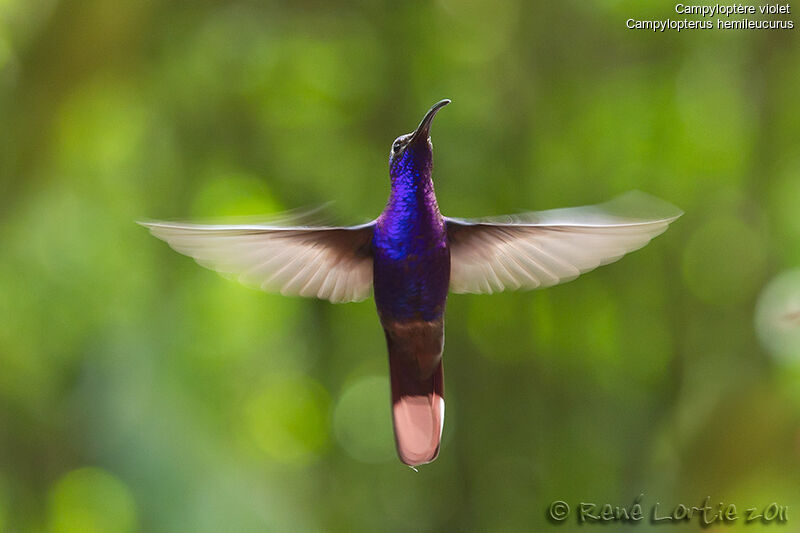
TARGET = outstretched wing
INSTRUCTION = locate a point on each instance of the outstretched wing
(541, 249)
(333, 263)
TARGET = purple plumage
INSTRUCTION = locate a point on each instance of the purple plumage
(411, 257)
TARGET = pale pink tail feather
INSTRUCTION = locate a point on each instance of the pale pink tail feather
(417, 409)
(418, 423)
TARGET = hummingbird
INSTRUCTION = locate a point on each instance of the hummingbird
(410, 257)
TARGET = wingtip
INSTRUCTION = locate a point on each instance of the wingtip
(639, 204)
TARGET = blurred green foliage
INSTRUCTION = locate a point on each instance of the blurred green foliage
(139, 391)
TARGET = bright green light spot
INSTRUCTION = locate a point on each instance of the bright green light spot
(90, 500)
(230, 193)
(288, 419)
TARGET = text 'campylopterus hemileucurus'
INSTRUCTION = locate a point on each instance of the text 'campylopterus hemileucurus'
(412, 256)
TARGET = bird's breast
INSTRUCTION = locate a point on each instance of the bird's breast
(411, 270)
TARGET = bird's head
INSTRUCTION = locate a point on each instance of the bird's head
(413, 152)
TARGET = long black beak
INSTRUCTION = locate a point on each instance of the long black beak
(423, 131)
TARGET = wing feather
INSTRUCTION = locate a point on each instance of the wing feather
(333, 263)
(541, 249)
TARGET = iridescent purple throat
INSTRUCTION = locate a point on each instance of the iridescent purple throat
(412, 258)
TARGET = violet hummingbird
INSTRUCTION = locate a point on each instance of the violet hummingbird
(411, 257)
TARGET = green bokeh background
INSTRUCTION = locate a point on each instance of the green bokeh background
(140, 392)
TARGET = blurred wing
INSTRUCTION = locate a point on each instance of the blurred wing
(333, 263)
(541, 249)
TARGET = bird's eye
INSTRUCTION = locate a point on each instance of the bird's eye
(397, 146)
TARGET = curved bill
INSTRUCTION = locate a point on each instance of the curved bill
(424, 128)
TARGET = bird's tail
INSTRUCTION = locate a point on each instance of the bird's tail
(415, 365)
